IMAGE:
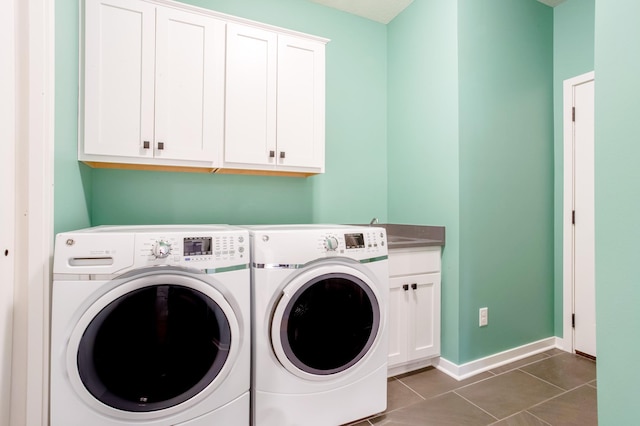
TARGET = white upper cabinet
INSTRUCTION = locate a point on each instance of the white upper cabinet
(250, 131)
(189, 86)
(118, 78)
(170, 85)
(301, 106)
(154, 85)
(275, 101)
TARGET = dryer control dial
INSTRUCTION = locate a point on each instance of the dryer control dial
(331, 243)
(161, 249)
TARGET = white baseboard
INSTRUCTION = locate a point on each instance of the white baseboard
(469, 369)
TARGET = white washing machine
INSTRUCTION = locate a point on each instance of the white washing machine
(319, 324)
(151, 326)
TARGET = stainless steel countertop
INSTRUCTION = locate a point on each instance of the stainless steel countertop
(410, 236)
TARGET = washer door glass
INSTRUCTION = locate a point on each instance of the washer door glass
(329, 324)
(153, 348)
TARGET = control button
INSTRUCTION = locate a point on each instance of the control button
(161, 249)
(331, 243)
(241, 249)
(241, 239)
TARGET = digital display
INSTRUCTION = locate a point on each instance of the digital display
(197, 246)
(354, 240)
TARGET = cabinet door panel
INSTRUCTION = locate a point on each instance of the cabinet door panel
(424, 327)
(189, 85)
(397, 330)
(250, 132)
(119, 77)
(300, 127)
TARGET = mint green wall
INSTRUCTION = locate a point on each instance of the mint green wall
(353, 189)
(506, 174)
(72, 181)
(617, 66)
(471, 147)
(423, 136)
(573, 39)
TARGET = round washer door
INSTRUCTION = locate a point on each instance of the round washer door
(327, 320)
(153, 345)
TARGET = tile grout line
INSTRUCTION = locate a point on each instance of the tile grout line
(543, 421)
(477, 406)
(411, 389)
(564, 392)
(545, 381)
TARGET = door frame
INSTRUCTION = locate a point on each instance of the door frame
(33, 223)
(567, 228)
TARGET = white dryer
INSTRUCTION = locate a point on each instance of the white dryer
(150, 326)
(319, 324)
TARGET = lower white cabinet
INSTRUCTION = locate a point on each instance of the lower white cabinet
(414, 308)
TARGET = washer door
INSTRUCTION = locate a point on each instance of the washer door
(326, 321)
(153, 343)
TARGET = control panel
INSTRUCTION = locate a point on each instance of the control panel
(353, 242)
(202, 250)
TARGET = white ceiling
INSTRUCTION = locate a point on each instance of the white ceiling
(384, 10)
(377, 10)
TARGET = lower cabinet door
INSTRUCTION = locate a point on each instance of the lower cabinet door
(414, 318)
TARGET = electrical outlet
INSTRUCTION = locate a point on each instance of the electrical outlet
(484, 317)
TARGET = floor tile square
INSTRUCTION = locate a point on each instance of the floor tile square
(578, 407)
(508, 393)
(430, 381)
(399, 395)
(444, 410)
(566, 370)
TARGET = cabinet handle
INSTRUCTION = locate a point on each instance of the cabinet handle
(414, 286)
(281, 154)
(272, 154)
(146, 145)
(405, 287)
(160, 145)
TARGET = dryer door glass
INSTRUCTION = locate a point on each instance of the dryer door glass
(329, 324)
(153, 348)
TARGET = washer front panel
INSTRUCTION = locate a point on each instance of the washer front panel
(152, 346)
(328, 319)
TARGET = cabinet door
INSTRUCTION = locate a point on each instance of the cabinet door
(250, 132)
(424, 316)
(397, 317)
(301, 87)
(189, 85)
(118, 78)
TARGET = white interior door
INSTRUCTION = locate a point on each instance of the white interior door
(584, 290)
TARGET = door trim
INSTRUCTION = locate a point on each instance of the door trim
(35, 66)
(567, 228)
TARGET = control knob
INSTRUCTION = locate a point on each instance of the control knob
(331, 243)
(161, 249)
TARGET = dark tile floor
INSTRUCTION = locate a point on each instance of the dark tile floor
(552, 388)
